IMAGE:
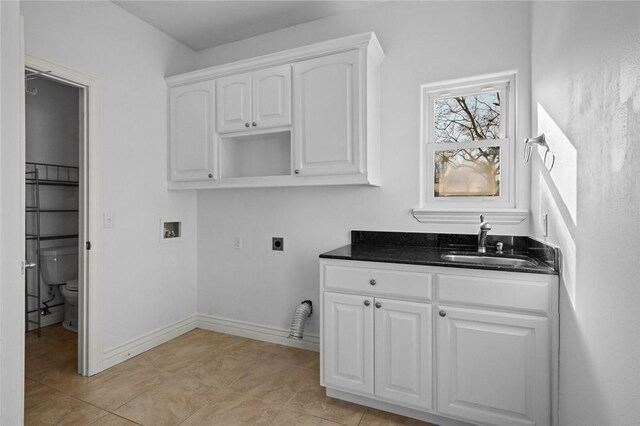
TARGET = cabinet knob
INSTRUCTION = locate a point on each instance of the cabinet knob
(372, 282)
(246, 124)
(378, 305)
(254, 124)
(367, 303)
(210, 175)
(442, 314)
(297, 171)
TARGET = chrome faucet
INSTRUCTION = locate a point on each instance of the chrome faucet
(482, 235)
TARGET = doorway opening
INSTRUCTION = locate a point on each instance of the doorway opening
(61, 122)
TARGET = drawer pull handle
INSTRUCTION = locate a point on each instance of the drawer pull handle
(367, 303)
(378, 305)
(442, 314)
(372, 282)
(247, 125)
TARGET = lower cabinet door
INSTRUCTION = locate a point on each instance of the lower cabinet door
(403, 352)
(493, 367)
(348, 342)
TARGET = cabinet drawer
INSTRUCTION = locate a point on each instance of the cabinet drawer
(379, 281)
(494, 292)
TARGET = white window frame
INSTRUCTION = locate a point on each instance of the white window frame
(500, 209)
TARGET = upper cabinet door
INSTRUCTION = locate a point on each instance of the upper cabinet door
(234, 103)
(328, 96)
(192, 131)
(271, 89)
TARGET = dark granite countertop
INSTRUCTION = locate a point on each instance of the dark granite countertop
(427, 249)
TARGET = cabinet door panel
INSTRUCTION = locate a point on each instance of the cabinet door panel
(191, 133)
(348, 342)
(272, 97)
(493, 367)
(234, 103)
(403, 352)
(327, 102)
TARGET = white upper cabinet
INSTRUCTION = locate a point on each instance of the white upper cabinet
(328, 95)
(271, 90)
(255, 100)
(192, 132)
(304, 116)
(234, 103)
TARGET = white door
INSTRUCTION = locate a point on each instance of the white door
(327, 105)
(403, 352)
(348, 342)
(12, 217)
(493, 367)
(192, 131)
(233, 102)
(271, 97)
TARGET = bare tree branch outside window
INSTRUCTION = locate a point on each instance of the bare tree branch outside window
(470, 171)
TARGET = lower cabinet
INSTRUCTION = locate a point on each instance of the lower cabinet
(493, 366)
(403, 352)
(378, 346)
(494, 361)
(348, 342)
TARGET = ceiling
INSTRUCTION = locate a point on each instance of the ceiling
(203, 24)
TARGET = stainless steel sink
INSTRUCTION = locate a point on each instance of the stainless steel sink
(488, 259)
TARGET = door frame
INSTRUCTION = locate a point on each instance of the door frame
(90, 194)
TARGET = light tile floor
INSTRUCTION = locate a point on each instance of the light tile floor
(199, 378)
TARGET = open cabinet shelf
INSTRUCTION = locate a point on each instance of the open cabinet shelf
(266, 154)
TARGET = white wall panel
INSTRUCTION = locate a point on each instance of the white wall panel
(258, 285)
(146, 285)
(586, 98)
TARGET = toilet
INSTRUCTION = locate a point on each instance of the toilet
(59, 267)
(70, 293)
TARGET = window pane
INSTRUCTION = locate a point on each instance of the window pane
(473, 172)
(467, 118)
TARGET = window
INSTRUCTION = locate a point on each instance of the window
(468, 129)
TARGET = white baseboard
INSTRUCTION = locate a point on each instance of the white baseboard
(56, 315)
(147, 341)
(258, 332)
(150, 340)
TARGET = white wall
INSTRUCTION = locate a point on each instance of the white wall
(11, 217)
(51, 123)
(586, 98)
(261, 286)
(146, 285)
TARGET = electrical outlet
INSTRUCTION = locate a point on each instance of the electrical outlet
(237, 243)
(108, 220)
(545, 225)
(277, 243)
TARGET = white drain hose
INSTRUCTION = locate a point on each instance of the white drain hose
(299, 317)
